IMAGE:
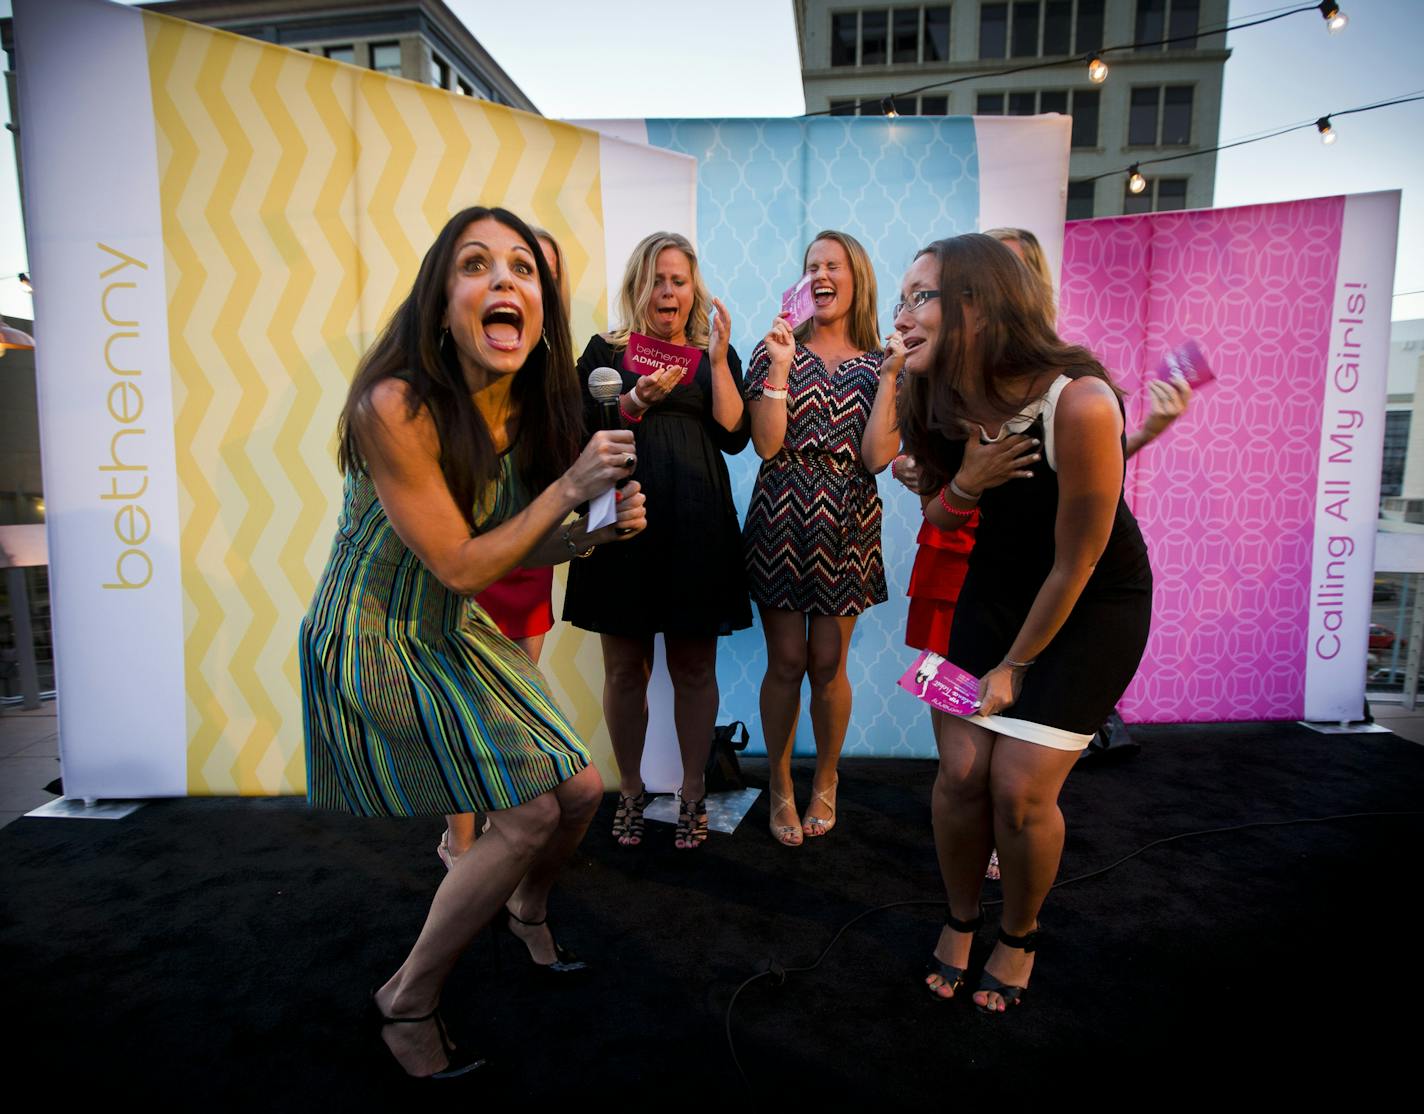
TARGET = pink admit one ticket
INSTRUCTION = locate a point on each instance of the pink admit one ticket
(798, 304)
(648, 355)
(1188, 361)
(942, 684)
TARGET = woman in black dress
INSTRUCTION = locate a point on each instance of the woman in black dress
(1054, 613)
(683, 576)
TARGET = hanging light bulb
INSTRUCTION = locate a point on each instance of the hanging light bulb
(1136, 183)
(887, 106)
(1335, 20)
(1327, 133)
(1097, 69)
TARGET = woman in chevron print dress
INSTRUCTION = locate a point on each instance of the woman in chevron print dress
(459, 440)
(812, 533)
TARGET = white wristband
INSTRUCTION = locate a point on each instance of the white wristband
(774, 392)
(636, 397)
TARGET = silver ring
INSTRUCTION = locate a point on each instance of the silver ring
(629, 461)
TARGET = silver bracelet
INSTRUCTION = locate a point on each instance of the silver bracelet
(1016, 664)
(954, 487)
(775, 392)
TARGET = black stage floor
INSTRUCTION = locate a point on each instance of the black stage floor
(215, 954)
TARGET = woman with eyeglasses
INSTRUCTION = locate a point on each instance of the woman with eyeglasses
(812, 531)
(1054, 613)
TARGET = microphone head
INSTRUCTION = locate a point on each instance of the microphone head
(605, 384)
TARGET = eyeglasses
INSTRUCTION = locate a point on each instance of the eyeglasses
(915, 302)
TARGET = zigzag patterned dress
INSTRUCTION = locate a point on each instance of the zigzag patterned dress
(812, 532)
(413, 702)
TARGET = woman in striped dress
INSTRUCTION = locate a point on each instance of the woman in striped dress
(812, 533)
(459, 441)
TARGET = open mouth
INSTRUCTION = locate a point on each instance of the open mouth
(911, 343)
(503, 325)
(823, 294)
(666, 314)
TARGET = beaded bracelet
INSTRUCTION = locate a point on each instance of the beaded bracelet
(943, 502)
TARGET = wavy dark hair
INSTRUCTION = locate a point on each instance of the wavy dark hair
(1017, 344)
(544, 396)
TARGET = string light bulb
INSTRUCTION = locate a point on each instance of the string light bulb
(887, 106)
(1335, 20)
(25, 282)
(1136, 183)
(1097, 69)
(1327, 133)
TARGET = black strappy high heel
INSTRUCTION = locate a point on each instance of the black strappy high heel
(565, 962)
(953, 976)
(1012, 995)
(453, 1069)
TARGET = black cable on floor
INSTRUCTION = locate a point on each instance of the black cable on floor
(777, 973)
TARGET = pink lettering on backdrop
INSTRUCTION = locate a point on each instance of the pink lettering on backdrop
(1226, 498)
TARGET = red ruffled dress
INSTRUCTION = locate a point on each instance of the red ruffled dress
(940, 567)
(519, 602)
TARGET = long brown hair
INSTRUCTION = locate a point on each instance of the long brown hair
(1016, 345)
(544, 396)
(864, 329)
(1032, 254)
(636, 290)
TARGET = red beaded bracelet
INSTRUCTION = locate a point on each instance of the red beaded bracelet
(943, 502)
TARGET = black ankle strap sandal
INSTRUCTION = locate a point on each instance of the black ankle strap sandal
(1012, 995)
(953, 976)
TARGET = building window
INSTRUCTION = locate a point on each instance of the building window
(1023, 42)
(1081, 104)
(464, 87)
(936, 36)
(386, 58)
(843, 108)
(1160, 20)
(439, 72)
(934, 105)
(1029, 28)
(845, 31)
(344, 53)
(1396, 448)
(1160, 116)
(905, 27)
(993, 31)
(1081, 196)
(873, 38)
(1161, 195)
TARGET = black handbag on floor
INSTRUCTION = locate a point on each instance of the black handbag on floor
(724, 772)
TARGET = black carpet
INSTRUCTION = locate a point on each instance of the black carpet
(215, 954)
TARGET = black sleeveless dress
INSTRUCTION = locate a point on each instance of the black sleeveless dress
(683, 575)
(1077, 680)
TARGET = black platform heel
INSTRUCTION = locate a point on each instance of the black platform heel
(565, 962)
(953, 976)
(1012, 995)
(453, 1069)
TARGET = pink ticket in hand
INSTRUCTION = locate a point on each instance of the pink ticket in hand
(798, 305)
(1188, 361)
(648, 355)
(942, 684)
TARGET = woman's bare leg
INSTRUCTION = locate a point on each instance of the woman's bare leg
(692, 666)
(1024, 781)
(828, 645)
(786, 655)
(469, 895)
(627, 664)
(963, 829)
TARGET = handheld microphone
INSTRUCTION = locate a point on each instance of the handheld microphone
(605, 385)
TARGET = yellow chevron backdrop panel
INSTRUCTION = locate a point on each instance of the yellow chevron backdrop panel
(298, 196)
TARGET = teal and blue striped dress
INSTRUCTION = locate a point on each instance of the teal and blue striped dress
(413, 702)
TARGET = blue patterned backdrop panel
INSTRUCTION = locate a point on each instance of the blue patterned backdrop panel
(764, 188)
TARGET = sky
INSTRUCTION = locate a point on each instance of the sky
(637, 58)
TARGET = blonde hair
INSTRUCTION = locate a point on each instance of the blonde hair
(562, 275)
(1033, 258)
(864, 328)
(636, 290)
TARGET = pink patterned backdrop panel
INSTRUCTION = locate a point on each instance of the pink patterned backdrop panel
(1226, 498)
